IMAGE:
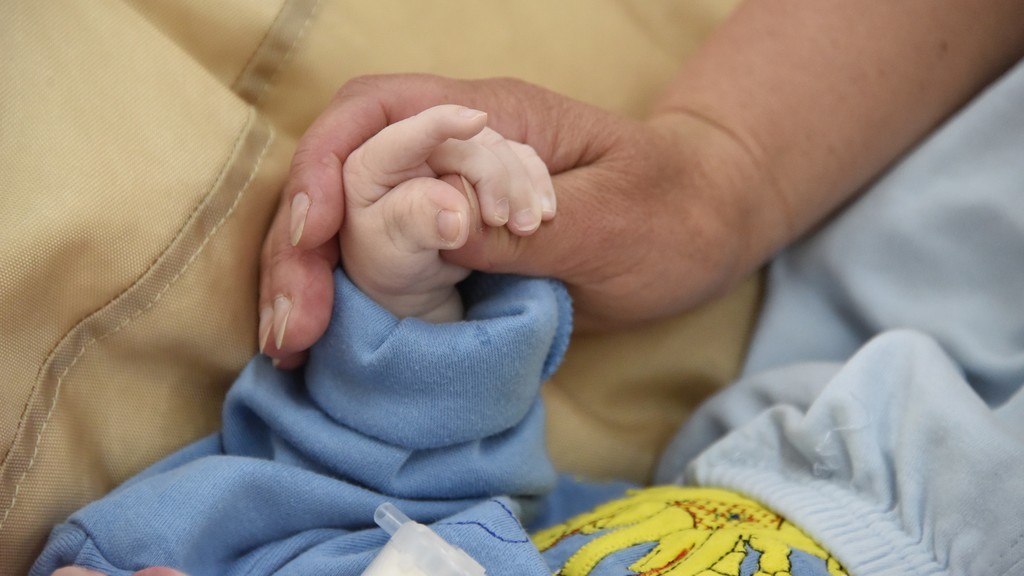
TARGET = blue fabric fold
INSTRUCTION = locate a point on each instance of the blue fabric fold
(443, 420)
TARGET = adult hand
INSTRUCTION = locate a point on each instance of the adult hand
(647, 211)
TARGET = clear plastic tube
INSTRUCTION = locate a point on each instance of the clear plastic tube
(416, 550)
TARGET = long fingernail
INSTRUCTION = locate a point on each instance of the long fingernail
(282, 309)
(266, 323)
(525, 220)
(470, 193)
(501, 211)
(300, 208)
(467, 186)
(449, 226)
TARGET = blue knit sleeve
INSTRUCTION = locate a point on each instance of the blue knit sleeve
(413, 409)
(442, 419)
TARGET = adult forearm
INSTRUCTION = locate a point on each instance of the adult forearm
(824, 95)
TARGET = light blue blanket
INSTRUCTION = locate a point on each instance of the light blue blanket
(882, 407)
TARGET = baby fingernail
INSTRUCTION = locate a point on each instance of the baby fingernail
(501, 211)
(282, 309)
(300, 208)
(547, 205)
(469, 113)
(525, 220)
(449, 226)
(266, 323)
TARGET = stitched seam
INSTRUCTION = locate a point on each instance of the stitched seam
(259, 47)
(260, 88)
(213, 231)
(288, 53)
(487, 529)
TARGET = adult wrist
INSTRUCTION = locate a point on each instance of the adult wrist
(742, 195)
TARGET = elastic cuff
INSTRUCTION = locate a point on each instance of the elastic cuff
(420, 385)
(865, 539)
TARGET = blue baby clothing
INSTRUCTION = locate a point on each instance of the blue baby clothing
(443, 420)
(437, 418)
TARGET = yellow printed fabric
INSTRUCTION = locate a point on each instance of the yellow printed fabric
(682, 531)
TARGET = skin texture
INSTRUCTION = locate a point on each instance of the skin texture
(594, 158)
(401, 215)
(786, 112)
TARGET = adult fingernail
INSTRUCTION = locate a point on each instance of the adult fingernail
(449, 226)
(282, 309)
(470, 192)
(467, 186)
(266, 323)
(525, 220)
(501, 211)
(300, 208)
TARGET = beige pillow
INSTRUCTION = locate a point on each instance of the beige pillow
(143, 146)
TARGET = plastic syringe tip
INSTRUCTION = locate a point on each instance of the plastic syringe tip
(390, 518)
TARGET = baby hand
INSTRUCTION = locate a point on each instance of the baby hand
(415, 188)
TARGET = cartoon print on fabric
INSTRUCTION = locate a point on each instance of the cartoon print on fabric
(683, 531)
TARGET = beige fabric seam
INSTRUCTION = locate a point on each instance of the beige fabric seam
(292, 21)
(247, 153)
